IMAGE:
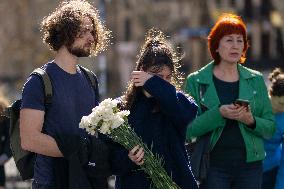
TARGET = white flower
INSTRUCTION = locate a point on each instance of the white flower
(105, 128)
(94, 120)
(104, 117)
(123, 113)
(92, 132)
(109, 103)
(85, 122)
(117, 121)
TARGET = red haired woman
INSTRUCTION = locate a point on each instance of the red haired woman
(237, 127)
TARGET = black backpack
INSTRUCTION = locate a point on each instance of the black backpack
(24, 159)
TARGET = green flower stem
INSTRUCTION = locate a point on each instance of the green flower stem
(152, 165)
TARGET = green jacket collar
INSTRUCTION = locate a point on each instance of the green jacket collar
(210, 98)
(205, 74)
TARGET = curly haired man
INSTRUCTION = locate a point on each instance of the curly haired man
(72, 30)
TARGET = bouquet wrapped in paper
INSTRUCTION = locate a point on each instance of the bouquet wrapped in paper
(108, 119)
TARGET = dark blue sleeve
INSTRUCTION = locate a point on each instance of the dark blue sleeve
(33, 94)
(97, 92)
(180, 109)
(120, 162)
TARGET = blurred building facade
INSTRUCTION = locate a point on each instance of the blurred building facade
(21, 49)
(187, 22)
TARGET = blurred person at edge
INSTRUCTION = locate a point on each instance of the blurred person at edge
(236, 145)
(72, 30)
(273, 164)
(5, 151)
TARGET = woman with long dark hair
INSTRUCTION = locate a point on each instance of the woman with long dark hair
(159, 114)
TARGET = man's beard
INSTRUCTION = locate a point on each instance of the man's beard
(79, 52)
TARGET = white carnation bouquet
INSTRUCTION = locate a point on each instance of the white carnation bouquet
(108, 119)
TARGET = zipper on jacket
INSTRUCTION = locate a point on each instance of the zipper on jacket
(254, 147)
(217, 139)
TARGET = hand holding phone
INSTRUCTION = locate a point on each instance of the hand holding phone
(242, 102)
(245, 117)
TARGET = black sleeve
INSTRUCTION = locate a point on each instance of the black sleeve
(181, 109)
(7, 149)
(120, 162)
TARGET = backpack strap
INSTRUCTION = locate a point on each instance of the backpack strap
(46, 83)
(92, 78)
(47, 92)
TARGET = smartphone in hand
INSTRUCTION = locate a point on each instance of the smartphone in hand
(242, 102)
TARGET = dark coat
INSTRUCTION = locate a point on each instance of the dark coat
(163, 129)
(4, 138)
(73, 171)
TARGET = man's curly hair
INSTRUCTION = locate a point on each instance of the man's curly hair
(63, 25)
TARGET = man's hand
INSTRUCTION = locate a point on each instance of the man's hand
(136, 155)
(140, 77)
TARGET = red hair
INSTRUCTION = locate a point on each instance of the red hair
(226, 24)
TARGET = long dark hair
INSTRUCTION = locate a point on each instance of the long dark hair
(155, 53)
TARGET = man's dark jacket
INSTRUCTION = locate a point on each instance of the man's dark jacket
(73, 171)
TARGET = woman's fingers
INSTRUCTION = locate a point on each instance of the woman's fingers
(140, 159)
(136, 155)
(136, 75)
(243, 110)
(132, 152)
(140, 77)
(141, 162)
(136, 78)
(140, 156)
(231, 111)
(235, 112)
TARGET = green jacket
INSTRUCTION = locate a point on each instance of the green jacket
(252, 88)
